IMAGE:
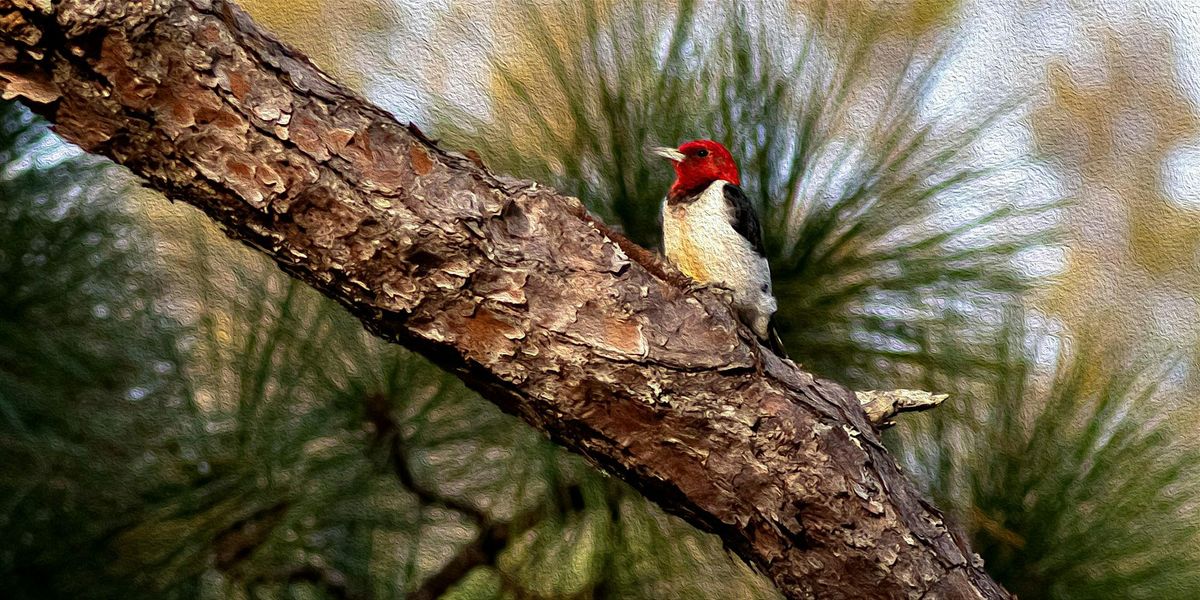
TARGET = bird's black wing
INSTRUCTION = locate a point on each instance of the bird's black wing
(743, 217)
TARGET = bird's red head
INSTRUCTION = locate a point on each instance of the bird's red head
(699, 163)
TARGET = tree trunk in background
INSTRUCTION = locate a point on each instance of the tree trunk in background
(509, 285)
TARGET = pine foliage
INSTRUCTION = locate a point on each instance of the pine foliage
(225, 433)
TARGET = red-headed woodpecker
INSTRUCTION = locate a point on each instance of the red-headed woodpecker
(712, 234)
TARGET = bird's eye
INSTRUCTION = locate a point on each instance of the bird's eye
(702, 153)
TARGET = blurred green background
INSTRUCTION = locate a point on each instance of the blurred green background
(998, 200)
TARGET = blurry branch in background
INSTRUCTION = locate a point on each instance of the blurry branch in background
(477, 272)
(493, 536)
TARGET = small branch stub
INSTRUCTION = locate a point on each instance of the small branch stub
(881, 406)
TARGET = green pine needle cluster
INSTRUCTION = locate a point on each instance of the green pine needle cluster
(1073, 483)
(87, 363)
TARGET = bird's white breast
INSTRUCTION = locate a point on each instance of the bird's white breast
(699, 239)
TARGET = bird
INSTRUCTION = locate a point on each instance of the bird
(712, 234)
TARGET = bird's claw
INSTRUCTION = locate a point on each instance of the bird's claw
(692, 286)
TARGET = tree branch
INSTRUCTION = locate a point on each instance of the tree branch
(508, 285)
(492, 536)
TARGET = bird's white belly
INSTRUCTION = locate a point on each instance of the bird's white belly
(700, 241)
(706, 248)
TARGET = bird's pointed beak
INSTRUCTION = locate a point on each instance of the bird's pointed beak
(668, 153)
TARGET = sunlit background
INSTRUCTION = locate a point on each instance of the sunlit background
(995, 199)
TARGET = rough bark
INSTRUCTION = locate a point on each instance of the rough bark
(507, 284)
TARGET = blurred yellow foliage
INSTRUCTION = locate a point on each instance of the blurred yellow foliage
(908, 18)
(521, 49)
(1110, 126)
(330, 32)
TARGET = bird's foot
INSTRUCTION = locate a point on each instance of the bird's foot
(694, 286)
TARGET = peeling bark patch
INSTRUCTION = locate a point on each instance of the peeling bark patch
(36, 89)
(513, 286)
(337, 138)
(486, 337)
(608, 334)
(421, 162)
(506, 286)
(131, 87)
(14, 26)
(307, 132)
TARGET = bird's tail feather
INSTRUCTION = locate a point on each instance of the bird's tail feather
(774, 342)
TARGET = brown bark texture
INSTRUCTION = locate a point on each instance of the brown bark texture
(509, 285)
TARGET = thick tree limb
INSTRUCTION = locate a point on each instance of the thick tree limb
(508, 285)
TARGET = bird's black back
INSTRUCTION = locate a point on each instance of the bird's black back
(744, 218)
